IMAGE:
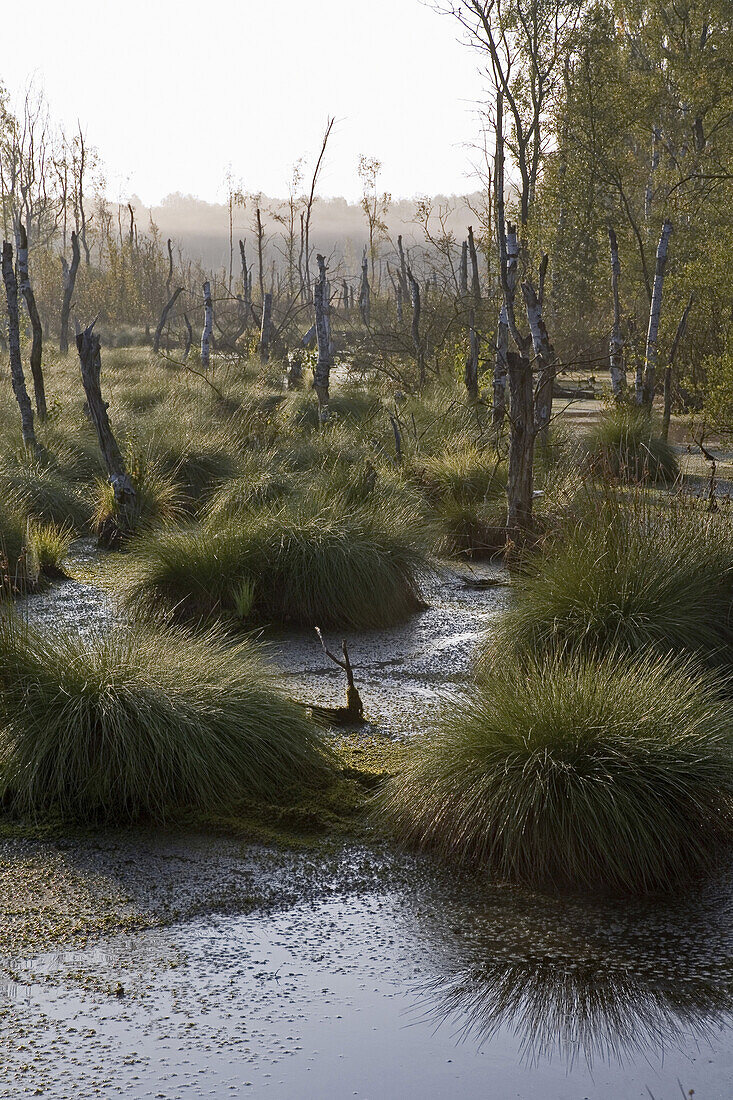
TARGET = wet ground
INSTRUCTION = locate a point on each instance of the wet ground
(161, 965)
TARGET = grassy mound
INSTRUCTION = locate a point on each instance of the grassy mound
(45, 492)
(628, 578)
(622, 445)
(327, 565)
(612, 775)
(138, 721)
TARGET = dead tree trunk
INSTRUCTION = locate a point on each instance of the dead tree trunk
(463, 271)
(475, 281)
(399, 300)
(416, 341)
(208, 326)
(545, 358)
(678, 338)
(521, 448)
(655, 310)
(471, 371)
(189, 337)
(90, 360)
(345, 298)
(26, 290)
(364, 294)
(403, 270)
(616, 342)
(16, 363)
(500, 370)
(69, 276)
(169, 276)
(322, 373)
(266, 327)
(164, 317)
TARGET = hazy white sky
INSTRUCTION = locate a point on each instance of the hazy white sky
(172, 92)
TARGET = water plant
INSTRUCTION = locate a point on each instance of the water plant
(141, 721)
(578, 772)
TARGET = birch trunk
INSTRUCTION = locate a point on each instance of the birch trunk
(364, 295)
(322, 373)
(471, 372)
(500, 370)
(404, 283)
(521, 448)
(266, 327)
(189, 337)
(16, 363)
(650, 363)
(616, 342)
(416, 341)
(36, 356)
(69, 276)
(475, 281)
(90, 360)
(208, 326)
(164, 317)
(545, 358)
(678, 338)
(463, 276)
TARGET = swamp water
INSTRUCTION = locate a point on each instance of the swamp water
(187, 965)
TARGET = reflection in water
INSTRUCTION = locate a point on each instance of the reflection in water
(584, 983)
(589, 1009)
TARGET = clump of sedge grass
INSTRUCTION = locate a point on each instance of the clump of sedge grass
(138, 721)
(606, 774)
(51, 543)
(631, 576)
(309, 562)
(622, 445)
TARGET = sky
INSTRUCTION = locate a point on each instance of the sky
(176, 93)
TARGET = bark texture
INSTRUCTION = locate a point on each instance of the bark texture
(208, 326)
(69, 277)
(36, 357)
(616, 341)
(266, 327)
(90, 359)
(655, 310)
(164, 317)
(322, 373)
(27, 426)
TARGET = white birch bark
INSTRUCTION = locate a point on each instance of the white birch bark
(655, 310)
(616, 342)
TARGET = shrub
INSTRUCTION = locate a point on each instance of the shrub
(600, 774)
(632, 576)
(311, 563)
(621, 445)
(141, 721)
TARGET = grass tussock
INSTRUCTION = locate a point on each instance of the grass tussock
(630, 576)
(138, 721)
(574, 772)
(306, 564)
(622, 445)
